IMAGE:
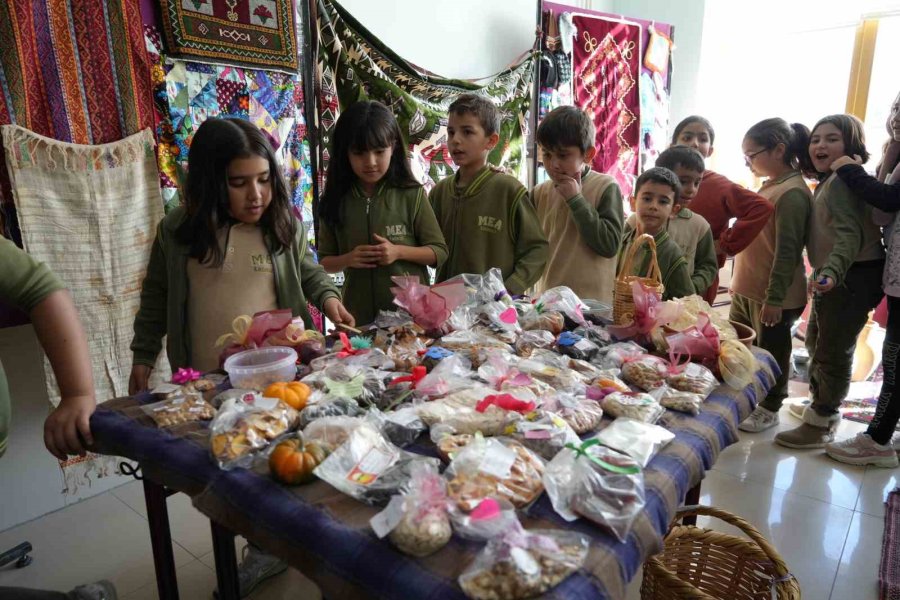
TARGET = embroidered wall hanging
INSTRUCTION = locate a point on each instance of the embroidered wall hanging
(255, 32)
(606, 60)
(355, 65)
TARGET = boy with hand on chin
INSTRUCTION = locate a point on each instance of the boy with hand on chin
(486, 217)
(656, 198)
(579, 209)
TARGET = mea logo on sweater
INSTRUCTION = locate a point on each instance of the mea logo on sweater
(395, 231)
(490, 224)
(261, 263)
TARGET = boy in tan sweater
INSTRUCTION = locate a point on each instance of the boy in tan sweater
(580, 210)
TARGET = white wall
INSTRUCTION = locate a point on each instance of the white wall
(464, 39)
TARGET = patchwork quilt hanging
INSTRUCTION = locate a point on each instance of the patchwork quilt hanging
(261, 33)
(186, 93)
(72, 70)
(354, 65)
(607, 58)
(90, 213)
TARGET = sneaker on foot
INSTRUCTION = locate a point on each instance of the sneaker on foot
(796, 409)
(862, 450)
(99, 590)
(759, 420)
(256, 567)
(806, 436)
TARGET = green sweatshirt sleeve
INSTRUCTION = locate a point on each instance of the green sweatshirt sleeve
(531, 247)
(676, 279)
(151, 319)
(316, 283)
(847, 213)
(601, 227)
(24, 281)
(792, 214)
(706, 265)
(326, 243)
(428, 232)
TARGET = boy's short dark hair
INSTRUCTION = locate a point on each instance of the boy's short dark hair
(681, 156)
(566, 126)
(659, 175)
(488, 114)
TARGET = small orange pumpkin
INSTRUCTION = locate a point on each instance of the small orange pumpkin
(295, 393)
(292, 462)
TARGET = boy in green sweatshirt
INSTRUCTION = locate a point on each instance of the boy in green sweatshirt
(486, 217)
(656, 197)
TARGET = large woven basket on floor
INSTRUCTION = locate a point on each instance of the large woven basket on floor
(623, 297)
(701, 564)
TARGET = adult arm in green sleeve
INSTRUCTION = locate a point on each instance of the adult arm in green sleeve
(847, 217)
(316, 283)
(600, 227)
(792, 214)
(24, 281)
(428, 232)
(706, 265)
(151, 319)
(531, 247)
(326, 242)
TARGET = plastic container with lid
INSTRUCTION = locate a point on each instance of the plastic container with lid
(256, 369)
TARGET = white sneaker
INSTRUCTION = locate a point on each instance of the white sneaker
(796, 409)
(862, 450)
(759, 420)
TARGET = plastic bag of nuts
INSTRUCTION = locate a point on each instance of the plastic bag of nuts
(522, 564)
(180, 409)
(646, 372)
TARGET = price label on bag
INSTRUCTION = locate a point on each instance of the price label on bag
(497, 460)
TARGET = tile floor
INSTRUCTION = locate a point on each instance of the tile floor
(825, 518)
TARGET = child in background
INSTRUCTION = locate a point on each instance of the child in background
(769, 281)
(486, 216)
(376, 221)
(845, 251)
(235, 248)
(686, 228)
(656, 197)
(579, 209)
(32, 287)
(719, 200)
(873, 447)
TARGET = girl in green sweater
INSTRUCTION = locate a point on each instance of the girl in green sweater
(375, 221)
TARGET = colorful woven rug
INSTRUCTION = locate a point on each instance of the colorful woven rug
(72, 70)
(186, 93)
(90, 213)
(355, 65)
(889, 570)
(255, 32)
(606, 62)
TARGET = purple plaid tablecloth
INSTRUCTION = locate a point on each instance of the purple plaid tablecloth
(326, 535)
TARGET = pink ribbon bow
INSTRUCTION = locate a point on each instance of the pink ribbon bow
(506, 402)
(183, 376)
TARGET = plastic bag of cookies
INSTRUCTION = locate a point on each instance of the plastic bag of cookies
(246, 425)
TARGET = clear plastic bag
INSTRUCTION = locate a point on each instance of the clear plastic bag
(490, 518)
(551, 321)
(564, 300)
(597, 335)
(646, 372)
(331, 432)
(245, 426)
(502, 316)
(179, 409)
(546, 435)
(451, 373)
(332, 407)
(634, 405)
(574, 346)
(368, 467)
(640, 441)
(616, 354)
(695, 379)
(520, 564)
(581, 414)
(609, 380)
(494, 467)
(501, 374)
(458, 413)
(347, 380)
(736, 364)
(597, 483)
(402, 427)
(673, 399)
(373, 358)
(531, 340)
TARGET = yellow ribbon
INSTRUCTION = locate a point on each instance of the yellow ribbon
(240, 326)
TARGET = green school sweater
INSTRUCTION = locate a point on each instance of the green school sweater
(163, 310)
(24, 283)
(490, 223)
(403, 216)
(672, 266)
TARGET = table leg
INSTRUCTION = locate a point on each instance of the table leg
(226, 562)
(691, 498)
(161, 539)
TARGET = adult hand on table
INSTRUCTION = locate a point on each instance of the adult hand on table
(139, 380)
(67, 430)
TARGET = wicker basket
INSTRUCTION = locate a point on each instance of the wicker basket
(623, 298)
(701, 564)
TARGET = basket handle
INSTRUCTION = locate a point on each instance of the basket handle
(652, 268)
(710, 511)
